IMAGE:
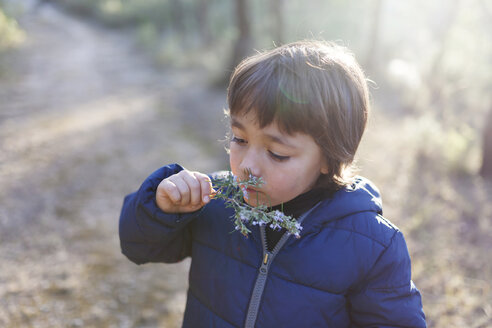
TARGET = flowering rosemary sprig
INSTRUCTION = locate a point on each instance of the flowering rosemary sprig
(232, 190)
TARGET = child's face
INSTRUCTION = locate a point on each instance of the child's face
(288, 164)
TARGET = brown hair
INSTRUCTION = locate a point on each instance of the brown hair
(311, 87)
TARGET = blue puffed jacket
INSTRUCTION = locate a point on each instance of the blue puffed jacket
(350, 268)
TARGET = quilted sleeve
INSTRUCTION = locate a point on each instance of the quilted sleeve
(147, 234)
(388, 297)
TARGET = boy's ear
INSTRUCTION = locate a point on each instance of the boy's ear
(324, 167)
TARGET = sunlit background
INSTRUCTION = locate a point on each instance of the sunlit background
(96, 94)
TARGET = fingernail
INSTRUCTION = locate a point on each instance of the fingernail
(206, 199)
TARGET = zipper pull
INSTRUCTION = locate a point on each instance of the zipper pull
(264, 264)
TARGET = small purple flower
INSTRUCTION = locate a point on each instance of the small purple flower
(245, 192)
(243, 217)
(278, 216)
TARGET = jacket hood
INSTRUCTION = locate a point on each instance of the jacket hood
(361, 196)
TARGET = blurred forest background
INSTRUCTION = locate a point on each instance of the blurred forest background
(96, 94)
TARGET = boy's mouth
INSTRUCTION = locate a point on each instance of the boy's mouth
(251, 193)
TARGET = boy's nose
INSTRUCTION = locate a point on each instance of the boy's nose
(251, 163)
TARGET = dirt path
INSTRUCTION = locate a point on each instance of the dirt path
(84, 118)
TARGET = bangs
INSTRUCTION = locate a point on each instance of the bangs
(274, 93)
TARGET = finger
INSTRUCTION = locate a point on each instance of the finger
(171, 190)
(205, 186)
(183, 189)
(194, 187)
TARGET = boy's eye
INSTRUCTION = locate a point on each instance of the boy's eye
(238, 140)
(278, 158)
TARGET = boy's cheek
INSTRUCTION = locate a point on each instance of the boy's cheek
(235, 164)
(232, 164)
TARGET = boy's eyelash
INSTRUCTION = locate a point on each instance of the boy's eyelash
(278, 157)
(238, 140)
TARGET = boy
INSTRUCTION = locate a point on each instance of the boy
(297, 116)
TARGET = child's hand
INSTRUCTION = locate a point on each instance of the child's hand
(184, 192)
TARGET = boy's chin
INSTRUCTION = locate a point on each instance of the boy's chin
(257, 201)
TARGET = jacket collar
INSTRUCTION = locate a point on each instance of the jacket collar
(361, 196)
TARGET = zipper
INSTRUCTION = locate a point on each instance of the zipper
(254, 303)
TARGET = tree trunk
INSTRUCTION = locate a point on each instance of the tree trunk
(243, 46)
(486, 170)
